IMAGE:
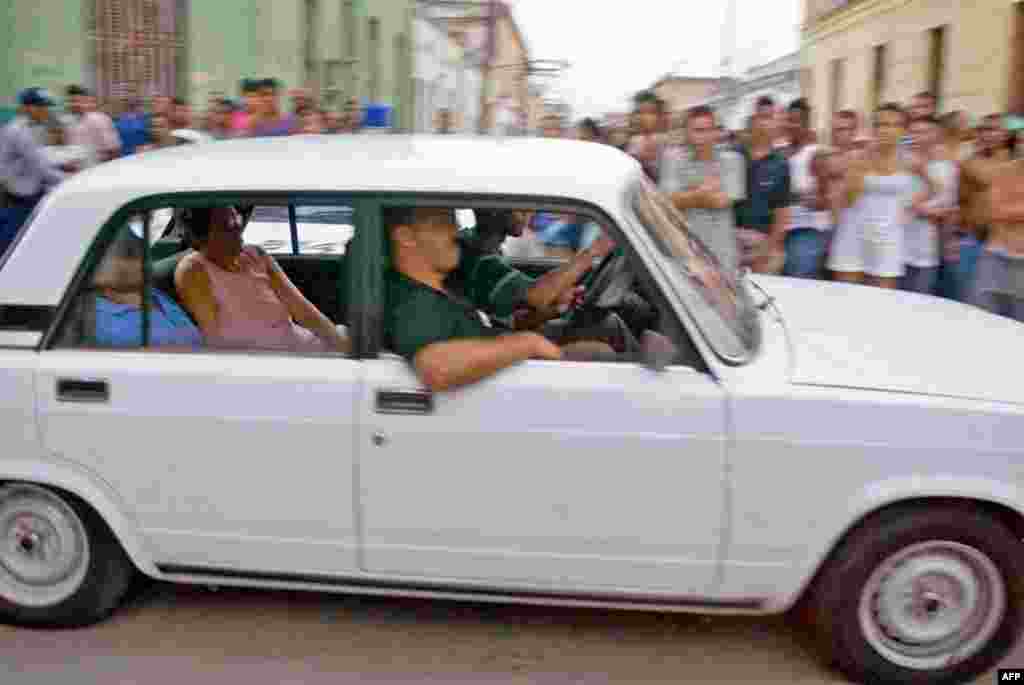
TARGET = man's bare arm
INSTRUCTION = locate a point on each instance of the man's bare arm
(453, 363)
(544, 293)
(718, 199)
(1006, 197)
(689, 199)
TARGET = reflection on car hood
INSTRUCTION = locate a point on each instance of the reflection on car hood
(864, 337)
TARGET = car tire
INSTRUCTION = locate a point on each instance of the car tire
(920, 595)
(60, 565)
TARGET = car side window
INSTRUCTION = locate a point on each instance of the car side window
(591, 305)
(222, 288)
(552, 235)
(322, 230)
(112, 308)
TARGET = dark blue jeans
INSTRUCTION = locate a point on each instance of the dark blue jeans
(957, 277)
(805, 253)
(922, 280)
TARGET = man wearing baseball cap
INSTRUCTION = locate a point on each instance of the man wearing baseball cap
(25, 172)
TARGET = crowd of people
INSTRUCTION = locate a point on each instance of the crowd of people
(40, 147)
(906, 198)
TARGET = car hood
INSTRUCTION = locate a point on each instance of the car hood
(863, 337)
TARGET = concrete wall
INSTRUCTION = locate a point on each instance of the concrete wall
(223, 47)
(42, 43)
(508, 77)
(978, 40)
(273, 38)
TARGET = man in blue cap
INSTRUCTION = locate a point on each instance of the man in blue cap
(25, 172)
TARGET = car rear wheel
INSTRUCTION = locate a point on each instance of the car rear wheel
(59, 563)
(921, 595)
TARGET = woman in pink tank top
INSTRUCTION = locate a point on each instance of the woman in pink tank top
(240, 297)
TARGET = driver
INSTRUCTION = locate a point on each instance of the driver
(449, 342)
(492, 285)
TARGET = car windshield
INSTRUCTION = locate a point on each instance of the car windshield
(722, 309)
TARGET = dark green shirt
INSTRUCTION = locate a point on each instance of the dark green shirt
(417, 315)
(487, 280)
(767, 190)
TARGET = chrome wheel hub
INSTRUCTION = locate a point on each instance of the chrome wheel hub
(44, 551)
(932, 605)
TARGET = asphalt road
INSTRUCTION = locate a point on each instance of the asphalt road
(197, 636)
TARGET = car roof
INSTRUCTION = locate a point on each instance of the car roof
(38, 268)
(373, 162)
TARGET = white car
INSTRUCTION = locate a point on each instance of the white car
(852, 453)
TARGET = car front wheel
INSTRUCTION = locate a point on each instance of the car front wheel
(59, 563)
(919, 595)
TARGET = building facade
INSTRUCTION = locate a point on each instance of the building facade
(680, 93)
(781, 79)
(192, 48)
(861, 53)
(447, 74)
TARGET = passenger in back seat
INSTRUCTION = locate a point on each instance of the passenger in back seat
(118, 302)
(239, 295)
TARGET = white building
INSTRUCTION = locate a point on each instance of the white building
(779, 79)
(445, 75)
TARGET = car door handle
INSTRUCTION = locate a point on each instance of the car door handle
(82, 390)
(405, 402)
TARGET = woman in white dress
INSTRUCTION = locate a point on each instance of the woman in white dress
(880, 194)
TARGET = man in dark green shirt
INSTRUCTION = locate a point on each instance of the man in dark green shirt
(446, 338)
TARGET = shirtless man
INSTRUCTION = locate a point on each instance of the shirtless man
(976, 175)
(999, 280)
(978, 172)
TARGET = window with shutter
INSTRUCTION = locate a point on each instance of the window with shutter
(136, 47)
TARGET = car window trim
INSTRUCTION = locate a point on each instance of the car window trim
(108, 231)
(546, 203)
(664, 264)
(293, 229)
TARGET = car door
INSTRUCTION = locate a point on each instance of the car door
(567, 475)
(228, 461)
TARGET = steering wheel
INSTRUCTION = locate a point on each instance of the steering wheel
(608, 284)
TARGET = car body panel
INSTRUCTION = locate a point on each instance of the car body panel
(806, 463)
(870, 338)
(213, 453)
(595, 476)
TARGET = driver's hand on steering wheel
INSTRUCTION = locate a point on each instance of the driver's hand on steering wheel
(530, 318)
(601, 247)
(569, 299)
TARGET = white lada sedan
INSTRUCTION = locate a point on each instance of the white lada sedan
(851, 453)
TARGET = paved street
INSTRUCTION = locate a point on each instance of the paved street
(195, 636)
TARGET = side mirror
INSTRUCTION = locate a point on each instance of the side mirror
(658, 351)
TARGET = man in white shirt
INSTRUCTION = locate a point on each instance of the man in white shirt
(90, 128)
(921, 239)
(26, 173)
(810, 223)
